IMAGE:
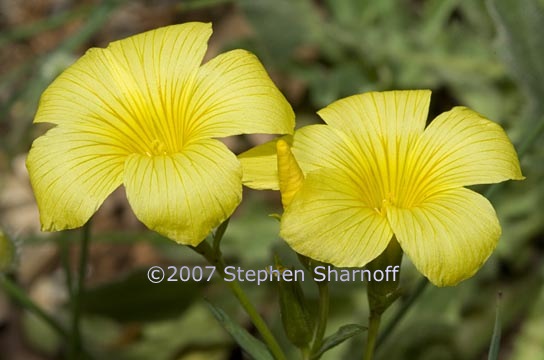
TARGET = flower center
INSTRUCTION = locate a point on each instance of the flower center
(389, 200)
(157, 147)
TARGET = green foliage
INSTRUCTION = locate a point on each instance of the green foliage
(134, 298)
(281, 27)
(248, 342)
(529, 343)
(522, 48)
(342, 334)
(494, 348)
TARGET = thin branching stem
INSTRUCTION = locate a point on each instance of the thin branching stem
(324, 300)
(77, 293)
(214, 257)
(15, 292)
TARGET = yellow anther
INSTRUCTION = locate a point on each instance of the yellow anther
(157, 148)
(389, 200)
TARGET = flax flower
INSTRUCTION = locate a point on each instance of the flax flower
(375, 171)
(144, 113)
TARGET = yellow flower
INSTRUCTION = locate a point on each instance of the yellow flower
(375, 171)
(145, 113)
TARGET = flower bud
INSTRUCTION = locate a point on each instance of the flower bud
(295, 316)
(289, 173)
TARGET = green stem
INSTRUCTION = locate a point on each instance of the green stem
(65, 261)
(215, 259)
(324, 301)
(20, 296)
(77, 292)
(306, 353)
(381, 294)
(402, 311)
(257, 320)
(373, 328)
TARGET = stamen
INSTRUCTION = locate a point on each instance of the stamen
(157, 148)
(389, 200)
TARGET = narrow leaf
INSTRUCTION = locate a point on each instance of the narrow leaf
(255, 348)
(134, 298)
(344, 333)
(496, 339)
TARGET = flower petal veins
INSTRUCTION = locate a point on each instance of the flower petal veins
(381, 172)
(186, 195)
(71, 167)
(314, 147)
(327, 222)
(449, 236)
(143, 112)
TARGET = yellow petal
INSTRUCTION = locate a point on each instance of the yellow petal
(260, 165)
(384, 126)
(388, 114)
(72, 173)
(314, 147)
(289, 174)
(134, 89)
(147, 100)
(184, 196)
(321, 146)
(327, 221)
(460, 148)
(449, 236)
(234, 95)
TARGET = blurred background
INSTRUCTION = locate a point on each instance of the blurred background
(487, 55)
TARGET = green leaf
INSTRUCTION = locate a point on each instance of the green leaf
(496, 339)
(344, 333)
(248, 342)
(135, 298)
(350, 12)
(281, 26)
(519, 26)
